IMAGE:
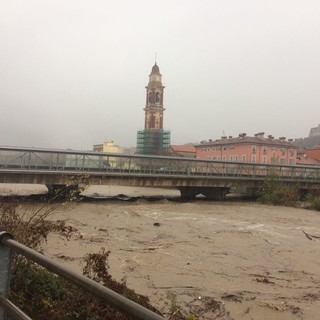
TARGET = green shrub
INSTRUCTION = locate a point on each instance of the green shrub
(315, 202)
(276, 192)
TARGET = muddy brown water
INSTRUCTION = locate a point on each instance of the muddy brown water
(218, 260)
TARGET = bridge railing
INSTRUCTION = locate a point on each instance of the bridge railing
(12, 158)
(117, 301)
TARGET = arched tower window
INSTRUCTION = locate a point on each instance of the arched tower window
(157, 97)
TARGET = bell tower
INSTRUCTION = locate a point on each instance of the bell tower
(154, 100)
(153, 139)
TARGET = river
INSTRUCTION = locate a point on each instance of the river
(225, 260)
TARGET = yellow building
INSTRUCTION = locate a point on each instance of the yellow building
(107, 146)
(110, 147)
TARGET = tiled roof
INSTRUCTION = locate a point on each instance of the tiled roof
(178, 148)
(307, 161)
(248, 140)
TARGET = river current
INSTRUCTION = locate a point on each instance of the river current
(226, 260)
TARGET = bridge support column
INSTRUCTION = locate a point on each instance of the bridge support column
(212, 193)
(188, 192)
(215, 193)
(62, 192)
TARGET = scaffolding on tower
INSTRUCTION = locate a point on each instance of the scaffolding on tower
(153, 141)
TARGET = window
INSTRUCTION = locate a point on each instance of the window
(224, 158)
(213, 158)
(224, 148)
(291, 152)
(232, 148)
(283, 150)
(274, 149)
(230, 158)
(244, 158)
(236, 158)
(218, 148)
(291, 162)
(264, 159)
(253, 158)
(264, 149)
(213, 149)
(282, 161)
(218, 158)
(254, 148)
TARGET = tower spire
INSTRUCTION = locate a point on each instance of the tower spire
(153, 139)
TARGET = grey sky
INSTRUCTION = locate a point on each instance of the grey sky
(73, 72)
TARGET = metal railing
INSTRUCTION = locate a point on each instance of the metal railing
(115, 300)
(34, 160)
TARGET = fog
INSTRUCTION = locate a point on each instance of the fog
(73, 72)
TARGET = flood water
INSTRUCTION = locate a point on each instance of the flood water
(225, 260)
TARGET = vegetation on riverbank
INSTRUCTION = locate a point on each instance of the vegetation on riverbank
(274, 191)
(40, 293)
(315, 201)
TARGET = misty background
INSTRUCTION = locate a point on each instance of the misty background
(73, 72)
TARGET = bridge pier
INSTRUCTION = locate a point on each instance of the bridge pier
(212, 193)
(62, 192)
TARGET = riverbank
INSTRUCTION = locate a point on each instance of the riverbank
(32, 192)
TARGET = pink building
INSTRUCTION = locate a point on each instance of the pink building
(249, 149)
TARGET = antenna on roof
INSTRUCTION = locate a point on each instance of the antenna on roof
(155, 58)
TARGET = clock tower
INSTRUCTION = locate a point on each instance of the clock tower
(154, 100)
(153, 139)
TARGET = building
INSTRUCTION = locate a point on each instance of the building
(304, 161)
(107, 146)
(313, 153)
(154, 139)
(183, 151)
(315, 131)
(244, 148)
(308, 157)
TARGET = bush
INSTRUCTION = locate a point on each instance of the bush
(276, 192)
(316, 203)
(42, 294)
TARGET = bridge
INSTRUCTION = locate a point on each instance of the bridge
(214, 179)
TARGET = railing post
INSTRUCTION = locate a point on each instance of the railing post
(5, 266)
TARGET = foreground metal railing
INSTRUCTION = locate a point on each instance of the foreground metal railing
(117, 301)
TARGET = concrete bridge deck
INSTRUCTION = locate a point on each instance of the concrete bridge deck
(191, 176)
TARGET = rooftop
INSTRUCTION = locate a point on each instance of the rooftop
(179, 148)
(302, 161)
(155, 69)
(244, 139)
